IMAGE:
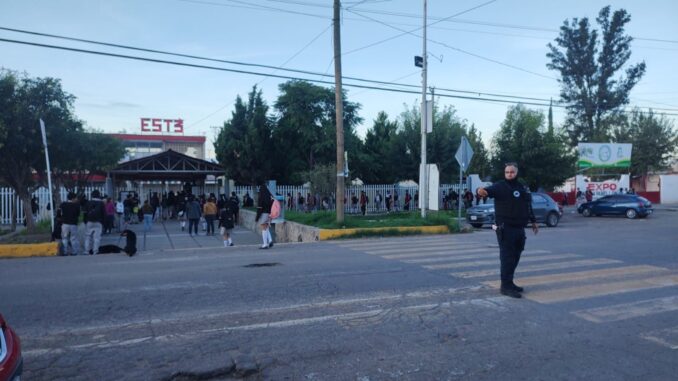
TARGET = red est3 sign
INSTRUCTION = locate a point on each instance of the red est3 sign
(175, 126)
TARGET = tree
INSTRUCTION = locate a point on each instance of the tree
(88, 153)
(480, 162)
(244, 145)
(305, 130)
(24, 102)
(380, 151)
(442, 144)
(587, 68)
(544, 158)
(654, 140)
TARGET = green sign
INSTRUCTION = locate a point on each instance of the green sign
(604, 155)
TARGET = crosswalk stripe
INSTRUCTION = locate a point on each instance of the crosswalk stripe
(484, 255)
(434, 254)
(599, 289)
(494, 262)
(453, 254)
(629, 310)
(541, 267)
(583, 275)
(403, 243)
(403, 250)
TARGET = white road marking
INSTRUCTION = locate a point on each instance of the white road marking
(629, 310)
(374, 298)
(452, 253)
(492, 303)
(549, 266)
(445, 252)
(600, 289)
(404, 243)
(494, 262)
(666, 337)
(584, 275)
(403, 250)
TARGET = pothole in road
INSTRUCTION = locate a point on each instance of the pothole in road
(265, 264)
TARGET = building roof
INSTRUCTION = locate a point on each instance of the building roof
(161, 138)
(168, 165)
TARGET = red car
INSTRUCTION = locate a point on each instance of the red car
(11, 361)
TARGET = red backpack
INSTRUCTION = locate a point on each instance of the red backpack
(275, 209)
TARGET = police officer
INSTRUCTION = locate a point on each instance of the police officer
(513, 210)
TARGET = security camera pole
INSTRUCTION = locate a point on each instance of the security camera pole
(339, 105)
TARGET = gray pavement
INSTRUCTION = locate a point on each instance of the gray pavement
(167, 235)
(601, 303)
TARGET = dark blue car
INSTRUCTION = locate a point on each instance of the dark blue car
(629, 205)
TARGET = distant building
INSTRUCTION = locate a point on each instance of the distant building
(138, 146)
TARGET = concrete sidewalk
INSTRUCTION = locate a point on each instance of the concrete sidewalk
(167, 235)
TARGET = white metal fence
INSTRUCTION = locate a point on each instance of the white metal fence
(318, 202)
(9, 202)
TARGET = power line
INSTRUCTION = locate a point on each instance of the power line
(282, 66)
(275, 68)
(155, 60)
(185, 64)
(450, 47)
(416, 16)
(413, 30)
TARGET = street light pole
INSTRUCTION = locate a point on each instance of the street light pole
(423, 176)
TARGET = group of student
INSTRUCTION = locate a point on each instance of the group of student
(208, 210)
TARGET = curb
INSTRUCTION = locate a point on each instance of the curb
(49, 249)
(327, 234)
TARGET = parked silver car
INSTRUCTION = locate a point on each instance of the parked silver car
(545, 211)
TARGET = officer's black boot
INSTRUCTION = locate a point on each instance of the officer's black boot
(516, 287)
(508, 290)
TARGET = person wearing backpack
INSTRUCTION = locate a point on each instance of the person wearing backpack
(94, 218)
(227, 221)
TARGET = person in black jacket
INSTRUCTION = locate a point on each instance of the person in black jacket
(513, 210)
(70, 213)
(264, 203)
(227, 221)
(94, 218)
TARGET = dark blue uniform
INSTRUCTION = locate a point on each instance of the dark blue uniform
(513, 210)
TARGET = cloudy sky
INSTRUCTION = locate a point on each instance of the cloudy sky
(479, 49)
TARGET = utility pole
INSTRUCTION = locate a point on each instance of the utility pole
(423, 187)
(339, 105)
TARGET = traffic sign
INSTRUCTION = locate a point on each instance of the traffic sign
(464, 154)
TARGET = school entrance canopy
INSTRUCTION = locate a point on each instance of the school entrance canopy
(166, 166)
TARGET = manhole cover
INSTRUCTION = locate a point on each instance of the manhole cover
(267, 264)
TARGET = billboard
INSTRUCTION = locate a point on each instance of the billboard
(604, 155)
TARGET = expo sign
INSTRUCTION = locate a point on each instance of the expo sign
(602, 187)
(162, 125)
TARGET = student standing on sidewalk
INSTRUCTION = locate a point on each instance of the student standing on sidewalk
(70, 213)
(94, 218)
(193, 213)
(210, 212)
(148, 212)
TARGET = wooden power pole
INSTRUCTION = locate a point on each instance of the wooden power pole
(339, 101)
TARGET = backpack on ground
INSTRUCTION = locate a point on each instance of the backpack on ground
(275, 209)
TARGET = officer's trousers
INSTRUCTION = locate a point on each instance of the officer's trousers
(511, 241)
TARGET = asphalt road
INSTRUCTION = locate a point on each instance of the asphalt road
(601, 303)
